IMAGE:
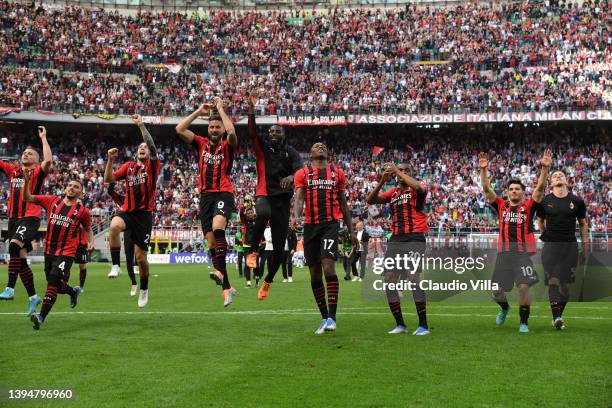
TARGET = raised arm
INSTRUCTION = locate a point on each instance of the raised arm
(47, 154)
(546, 162)
(227, 123)
(374, 196)
(146, 136)
(483, 164)
(252, 129)
(109, 177)
(182, 130)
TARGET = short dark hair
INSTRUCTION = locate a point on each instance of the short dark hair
(516, 181)
(29, 147)
(77, 180)
(407, 164)
(282, 129)
(214, 115)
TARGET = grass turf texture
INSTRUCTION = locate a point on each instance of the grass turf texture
(185, 350)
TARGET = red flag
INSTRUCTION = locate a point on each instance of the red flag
(376, 150)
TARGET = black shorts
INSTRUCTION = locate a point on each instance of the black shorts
(513, 269)
(138, 226)
(412, 245)
(24, 229)
(82, 255)
(321, 242)
(58, 265)
(213, 204)
(559, 260)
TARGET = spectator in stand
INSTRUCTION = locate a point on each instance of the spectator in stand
(443, 158)
(487, 57)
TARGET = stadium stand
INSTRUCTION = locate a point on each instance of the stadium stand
(476, 57)
(445, 158)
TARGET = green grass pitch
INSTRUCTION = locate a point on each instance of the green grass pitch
(185, 350)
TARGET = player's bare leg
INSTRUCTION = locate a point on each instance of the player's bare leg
(114, 242)
(500, 297)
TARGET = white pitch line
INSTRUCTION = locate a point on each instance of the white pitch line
(286, 312)
(573, 306)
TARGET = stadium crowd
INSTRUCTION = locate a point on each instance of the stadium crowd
(529, 55)
(446, 159)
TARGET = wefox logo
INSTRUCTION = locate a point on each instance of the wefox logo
(199, 258)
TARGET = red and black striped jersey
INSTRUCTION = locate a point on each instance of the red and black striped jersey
(322, 187)
(516, 226)
(407, 209)
(215, 164)
(141, 181)
(17, 207)
(63, 225)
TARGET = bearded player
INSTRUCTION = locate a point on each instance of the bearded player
(409, 226)
(277, 162)
(557, 217)
(136, 215)
(516, 242)
(215, 160)
(320, 188)
(65, 216)
(24, 217)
